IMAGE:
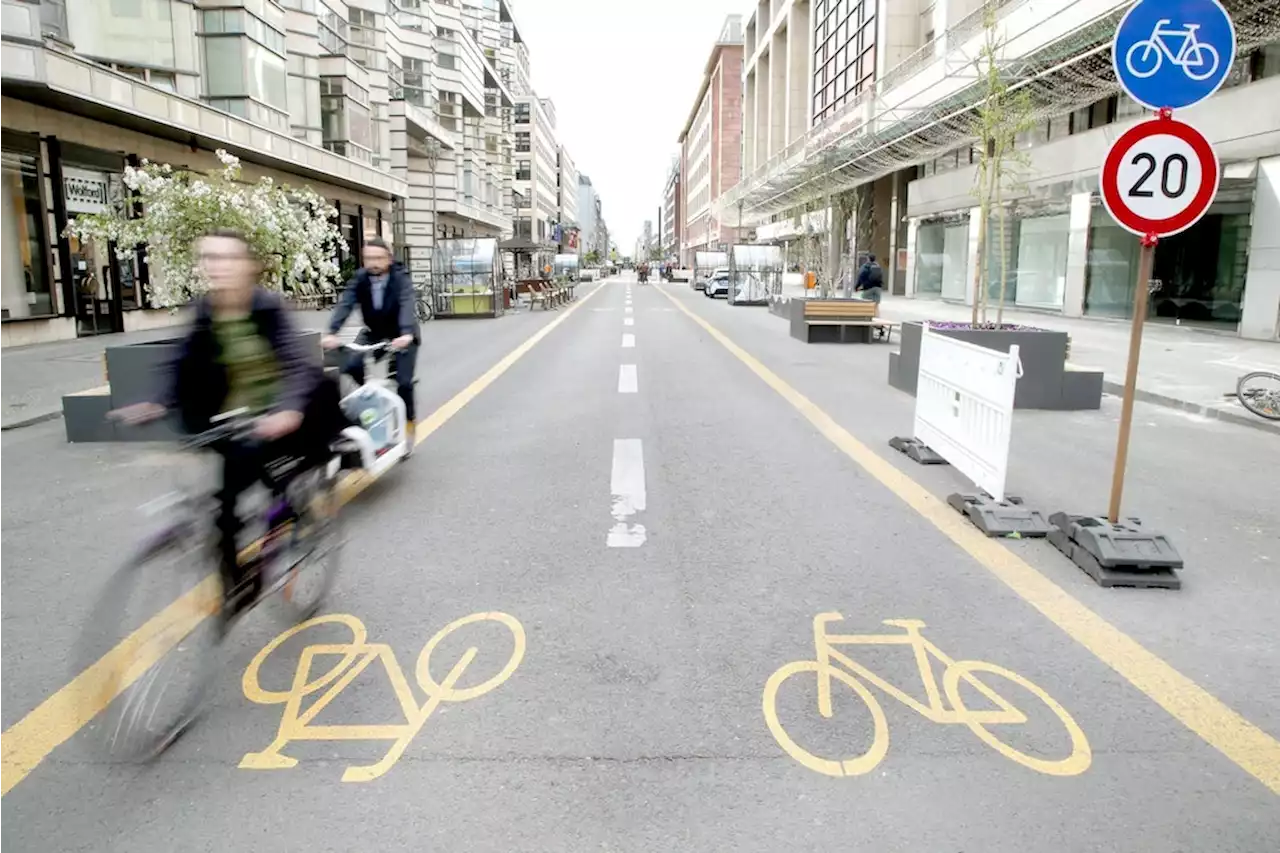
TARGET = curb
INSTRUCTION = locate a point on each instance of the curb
(31, 421)
(1116, 389)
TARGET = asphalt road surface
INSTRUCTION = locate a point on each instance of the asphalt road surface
(645, 509)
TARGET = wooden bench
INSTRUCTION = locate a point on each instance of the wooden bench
(838, 321)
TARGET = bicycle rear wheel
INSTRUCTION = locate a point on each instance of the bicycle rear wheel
(148, 651)
(310, 563)
(1259, 392)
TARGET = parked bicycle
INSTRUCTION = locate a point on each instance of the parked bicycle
(423, 300)
(154, 682)
(1259, 392)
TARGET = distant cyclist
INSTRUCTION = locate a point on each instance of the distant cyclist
(242, 352)
(384, 293)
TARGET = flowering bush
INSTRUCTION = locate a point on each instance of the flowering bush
(292, 231)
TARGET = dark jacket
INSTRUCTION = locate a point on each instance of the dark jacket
(197, 385)
(871, 275)
(397, 316)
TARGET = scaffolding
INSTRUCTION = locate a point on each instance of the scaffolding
(886, 128)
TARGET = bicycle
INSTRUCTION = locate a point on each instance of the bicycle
(1253, 394)
(170, 658)
(1193, 54)
(423, 297)
(856, 677)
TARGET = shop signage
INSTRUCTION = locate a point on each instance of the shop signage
(85, 191)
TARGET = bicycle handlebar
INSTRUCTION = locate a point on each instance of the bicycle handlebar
(364, 348)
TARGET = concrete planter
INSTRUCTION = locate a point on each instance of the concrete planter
(135, 374)
(1046, 383)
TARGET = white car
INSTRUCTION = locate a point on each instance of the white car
(717, 284)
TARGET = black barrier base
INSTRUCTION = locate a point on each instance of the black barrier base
(917, 450)
(1123, 554)
(1000, 518)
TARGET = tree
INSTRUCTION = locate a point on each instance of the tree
(592, 257)
(292, 231)
(1002, 116)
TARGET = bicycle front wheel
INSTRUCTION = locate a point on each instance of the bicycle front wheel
(422, 307)
(1077, 760)
(312, 558)
(1259, 392)
(853, 766)
(148, 651)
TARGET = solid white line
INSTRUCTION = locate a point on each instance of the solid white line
(626, 482)
(627, 309)
(628, 341)
(628, 321)
(628, 380)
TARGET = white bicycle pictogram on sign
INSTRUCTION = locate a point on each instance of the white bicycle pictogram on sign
(1198, 60)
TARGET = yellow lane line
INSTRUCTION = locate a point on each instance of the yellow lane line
(1248, 746)
(30, 740)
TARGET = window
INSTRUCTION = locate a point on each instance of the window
(522, 140)
(524, 170)
(224, 67)
(26, 287)
(333, 34)
(446, 60)
(522, 114)
(267, 78)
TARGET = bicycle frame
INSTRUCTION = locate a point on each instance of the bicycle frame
(935, 711)
(1188, 36)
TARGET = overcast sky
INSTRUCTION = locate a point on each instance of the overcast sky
(622, 75)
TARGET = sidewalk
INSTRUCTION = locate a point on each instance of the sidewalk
(1181, 367)
(33, 379)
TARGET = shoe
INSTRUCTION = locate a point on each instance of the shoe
(408, 439)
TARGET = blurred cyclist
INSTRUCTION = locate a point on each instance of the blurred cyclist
(384, 292)
(242, 352)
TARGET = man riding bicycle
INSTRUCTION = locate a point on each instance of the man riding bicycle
(384, 292)
(242, 352)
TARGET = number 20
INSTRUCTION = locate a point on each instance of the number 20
(1136, 191)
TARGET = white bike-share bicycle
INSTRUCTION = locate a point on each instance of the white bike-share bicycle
(379, 433)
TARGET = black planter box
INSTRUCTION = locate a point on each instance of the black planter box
(136, 373)
(1046, 383)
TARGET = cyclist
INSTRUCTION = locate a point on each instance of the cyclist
(242, 352)
(384, 292)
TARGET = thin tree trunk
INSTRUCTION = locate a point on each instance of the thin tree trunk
(978, 268)
(1004, 257)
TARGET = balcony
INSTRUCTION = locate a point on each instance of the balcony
(59, 80)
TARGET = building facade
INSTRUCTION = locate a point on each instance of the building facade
(902, 128)
(672, 229)
(711, 146)
(537, 168)
(590, 217)
(401, 114)
(567, 192)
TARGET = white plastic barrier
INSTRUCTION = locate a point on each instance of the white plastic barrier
(964, 406)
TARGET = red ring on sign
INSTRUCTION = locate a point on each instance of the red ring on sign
(1209, 171)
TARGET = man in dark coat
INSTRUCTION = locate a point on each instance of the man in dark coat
(383, 291)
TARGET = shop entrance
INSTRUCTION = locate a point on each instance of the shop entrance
(93, 275)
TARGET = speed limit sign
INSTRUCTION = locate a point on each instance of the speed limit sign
(1159, 177)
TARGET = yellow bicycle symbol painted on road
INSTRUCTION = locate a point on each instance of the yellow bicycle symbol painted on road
(955, 673)
(354, 658)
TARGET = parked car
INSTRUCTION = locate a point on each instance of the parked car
(717, 284)
(701, 283)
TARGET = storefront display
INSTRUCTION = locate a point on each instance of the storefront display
(27, 290)
(1041, 263)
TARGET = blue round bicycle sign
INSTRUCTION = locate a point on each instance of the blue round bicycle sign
(1173, 53)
